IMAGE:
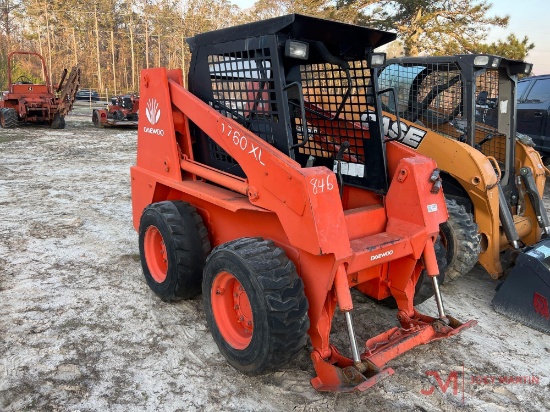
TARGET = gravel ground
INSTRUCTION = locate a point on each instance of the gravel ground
(80, 329)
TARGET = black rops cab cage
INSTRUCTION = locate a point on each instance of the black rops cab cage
(466, 97)
(300, 83)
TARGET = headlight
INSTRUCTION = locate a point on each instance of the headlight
(297, 49)
(481, 61)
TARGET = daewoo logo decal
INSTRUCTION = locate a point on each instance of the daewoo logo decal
(152, 111)
(381, 255)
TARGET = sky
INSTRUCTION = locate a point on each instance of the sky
(529, 18)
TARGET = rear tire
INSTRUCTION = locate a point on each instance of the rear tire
(8, 118)
(58, 121)
(461, 240)
(173, 245)
(255, 305)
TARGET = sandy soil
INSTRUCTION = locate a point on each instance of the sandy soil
(80, 330)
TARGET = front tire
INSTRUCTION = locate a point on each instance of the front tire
(96, 120)
(461, 241)
(255, 305)
(173, 245)
(8, 118)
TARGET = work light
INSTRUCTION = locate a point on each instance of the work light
(296, 49)
(376, 59)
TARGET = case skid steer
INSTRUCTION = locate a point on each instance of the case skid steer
(27, 101)
(300, 203)
(463, 109)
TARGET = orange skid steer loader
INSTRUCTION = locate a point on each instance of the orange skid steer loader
(243, 162)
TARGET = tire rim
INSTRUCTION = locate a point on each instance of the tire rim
(232, 311)
(155, 254)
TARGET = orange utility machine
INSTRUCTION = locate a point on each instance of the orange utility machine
(32, 102)
(299, 203)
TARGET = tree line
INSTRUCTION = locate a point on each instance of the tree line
(111, 41)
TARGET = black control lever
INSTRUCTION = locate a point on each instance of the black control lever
(486, 139)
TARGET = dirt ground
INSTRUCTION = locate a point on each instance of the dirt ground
(81, 331)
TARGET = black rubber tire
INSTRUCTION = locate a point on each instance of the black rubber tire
(8, 118)
(277, 301)
(424, 287)
(187, 245)
(95, 119)
(461, 240)
(58, 121)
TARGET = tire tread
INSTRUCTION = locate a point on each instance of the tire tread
(466, 240)
(284, 295)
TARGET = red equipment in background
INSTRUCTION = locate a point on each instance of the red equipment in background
(26, 101)
(122, 111)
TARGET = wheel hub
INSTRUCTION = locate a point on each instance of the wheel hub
(155, 254)
(232, 310)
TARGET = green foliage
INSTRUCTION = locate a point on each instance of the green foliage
(433, 27)
(512, 48)
(430, 27)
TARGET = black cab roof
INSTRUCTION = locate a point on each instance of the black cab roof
(298, 26)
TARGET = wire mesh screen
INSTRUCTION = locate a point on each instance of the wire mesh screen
(428, 94)
(487, 137)
(335, 105)
(242, 89)
(434, 94)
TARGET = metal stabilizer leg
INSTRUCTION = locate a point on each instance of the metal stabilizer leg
(353, 343)
(343, 296)
(438, 299)
(430, 261)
